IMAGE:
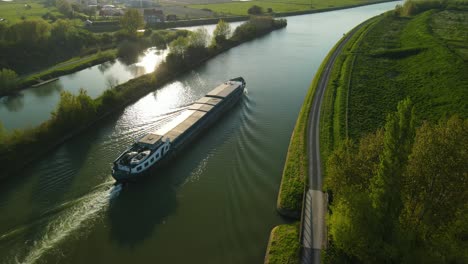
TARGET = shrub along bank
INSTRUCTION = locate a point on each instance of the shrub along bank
(77, 112)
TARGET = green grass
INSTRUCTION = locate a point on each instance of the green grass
(416, 63)
(422, 57)
(69, 66)
(278, 6)
(333, 116)
(14, 11)
(283, 246)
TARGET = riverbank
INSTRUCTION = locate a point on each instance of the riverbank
(296, 179)
(356, 104)
(301, 7)
(111, 26)
(423, 67)
(33, 143)
(296, 167)
(63, 68)
(283, 245)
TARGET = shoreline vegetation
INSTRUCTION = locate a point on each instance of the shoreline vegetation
(413, 57)
(67, 33)
(114, 25)
(76, 113)
(402, 170)
(293, 180)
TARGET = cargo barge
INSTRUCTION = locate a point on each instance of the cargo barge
(156, 148)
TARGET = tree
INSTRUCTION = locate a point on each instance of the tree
(255, 10)
(158, 40)
(29, 32)
(199, 38)
(385, 186)
(64, 7)
(131, 21)
(221, 32)
(436, 180)
(73, 109)
(178, 46)
(8, 80)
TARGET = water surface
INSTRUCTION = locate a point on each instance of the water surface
(215, 203)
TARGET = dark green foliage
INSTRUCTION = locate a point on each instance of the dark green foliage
(398, 139)
(30, 32)
(221, 33)
(73, 110)
(129, 51)
(255, 10)
(158, 40)
(245, 31)
(131, 21)
(64, 7)
(395, 201)
(31, 45)
(8, 80)
(396, 53)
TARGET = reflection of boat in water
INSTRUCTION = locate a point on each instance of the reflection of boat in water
(154, 148)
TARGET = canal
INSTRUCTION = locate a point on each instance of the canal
(215, 203)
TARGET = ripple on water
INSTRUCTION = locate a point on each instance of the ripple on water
(60, 223)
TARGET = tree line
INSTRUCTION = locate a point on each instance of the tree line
(77, 111)
(399, 194)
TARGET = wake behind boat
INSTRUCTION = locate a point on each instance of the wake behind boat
(155, 148)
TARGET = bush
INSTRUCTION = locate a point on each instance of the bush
(8, 80)
(157, 39)
(128, 51)
(254, 10)
(245, 31)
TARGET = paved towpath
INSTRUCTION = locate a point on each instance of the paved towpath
(313, 221)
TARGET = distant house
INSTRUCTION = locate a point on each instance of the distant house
(153, 16)
(110, 10)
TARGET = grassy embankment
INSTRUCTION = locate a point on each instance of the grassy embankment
(333, 117)
(69, 66)
(283, 246)
(422, 57)
(281, 7)
(410, 53)
(78, 112)
(293, 182)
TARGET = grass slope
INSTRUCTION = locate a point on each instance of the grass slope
(283, 246)
(293, 181)
(424, 57)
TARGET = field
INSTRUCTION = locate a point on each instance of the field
(14, 11)
(278, 6)
(424, 57)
